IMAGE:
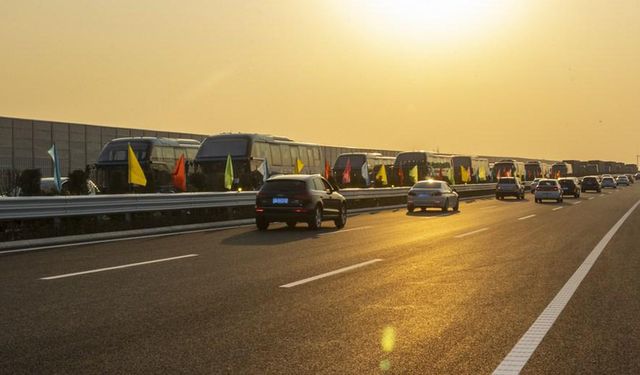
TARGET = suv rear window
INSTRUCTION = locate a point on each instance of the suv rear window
(546, 183)
(507, 180)
(284, 186)
(589, 179)
(566, 182)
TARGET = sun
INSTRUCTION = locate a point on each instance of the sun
(429, 19)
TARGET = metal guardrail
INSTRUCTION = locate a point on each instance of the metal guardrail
(19, 208)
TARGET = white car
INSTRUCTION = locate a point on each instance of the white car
(430, 193)
(548, 189)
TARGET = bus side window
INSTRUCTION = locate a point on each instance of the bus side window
(276, 154)
(191, 153)
(295, 155)
(286, 155)
(168, 155)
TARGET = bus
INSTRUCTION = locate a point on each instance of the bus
(508, 168)
(579, 167)
(429, 165)
(599, 164)
(364, 168)
(591, 169)
(561, 170)
(249, 151)
(470, 169)
(157, 157)
(535, 169)
(630, 168)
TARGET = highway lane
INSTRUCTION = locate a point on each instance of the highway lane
(454, 304)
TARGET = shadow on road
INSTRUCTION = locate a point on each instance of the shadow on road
(432, 213)
(279, 234)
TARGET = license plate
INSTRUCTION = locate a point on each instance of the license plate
(280, 200)
(423, 195)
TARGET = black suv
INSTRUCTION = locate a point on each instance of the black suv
(591, 183)
(299, 198)
(570, 186)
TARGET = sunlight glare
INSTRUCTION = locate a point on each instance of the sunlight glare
(430, 19)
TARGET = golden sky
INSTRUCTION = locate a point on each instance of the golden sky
(557, 79)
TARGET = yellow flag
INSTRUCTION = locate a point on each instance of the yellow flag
(136, 174)
(482, 174)
(413, 173)
(299, 166)
(465, 175)
(382, 175)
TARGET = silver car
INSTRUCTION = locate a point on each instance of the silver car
(609, 182)
(622, 180)
(548, 189)
(432, 194)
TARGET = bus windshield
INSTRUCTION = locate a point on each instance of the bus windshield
(221, 147)
(356, 161)
(411, 158)
(117, 151)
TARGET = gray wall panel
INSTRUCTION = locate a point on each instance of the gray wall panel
(6, 143)
(77, 146)
(23, 144)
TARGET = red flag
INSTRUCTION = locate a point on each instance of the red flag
(179, 177)
(346, 175)
(327, 170)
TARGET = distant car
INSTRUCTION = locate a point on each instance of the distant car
(631, 178)
(432, 194)
(570, 186)
(549, 189)
(609, 182)
(509, 186)
(298, 198)
(637, 176)
(591, 183)
(623, 180)
(534, 183)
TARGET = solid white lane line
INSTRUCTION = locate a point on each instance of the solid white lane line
(141, 237)
(321, 276)
(527, 217)
(522, 351)
(344, 230)
(578, 202)
(117, 267)
(558, 208)
(590, 198)
(470, 233)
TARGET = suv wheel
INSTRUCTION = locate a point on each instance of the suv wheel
(457, 206)
(291, 224)
(410, 208)
(445, 208)
(262, 223)
(316, 221)
(342, 218)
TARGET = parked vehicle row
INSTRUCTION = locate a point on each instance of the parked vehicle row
(256, 157)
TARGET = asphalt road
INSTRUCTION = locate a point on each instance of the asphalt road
(390, 293)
